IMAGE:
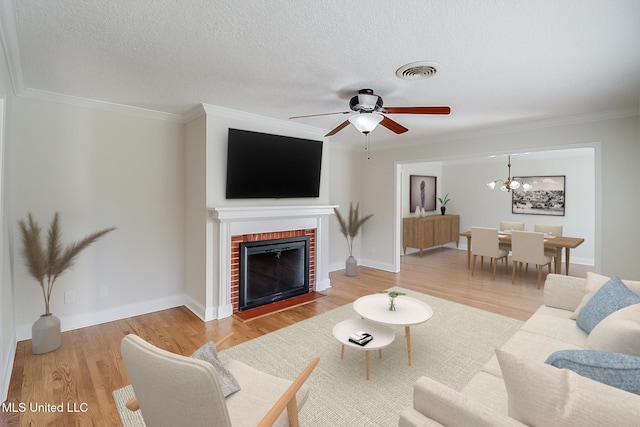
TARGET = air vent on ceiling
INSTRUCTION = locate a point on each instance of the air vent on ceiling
(417, 70)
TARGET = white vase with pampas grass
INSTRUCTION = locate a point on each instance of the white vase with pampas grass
(350, 229)
(46, 264)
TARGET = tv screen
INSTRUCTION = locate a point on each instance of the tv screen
(261, 165)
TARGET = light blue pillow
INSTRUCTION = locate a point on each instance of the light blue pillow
(611, 297)
(615, 369)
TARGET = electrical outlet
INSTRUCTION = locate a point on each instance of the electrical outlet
(69, 297)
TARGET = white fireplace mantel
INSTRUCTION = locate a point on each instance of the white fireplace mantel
(233, 221)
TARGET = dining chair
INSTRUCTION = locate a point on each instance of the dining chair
(508, 226)
(552, 230)
(511, 225)
(528, 247)
(484, 242)
(173, 390)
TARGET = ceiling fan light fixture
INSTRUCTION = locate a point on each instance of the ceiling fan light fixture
(365, 122)
(367, 102)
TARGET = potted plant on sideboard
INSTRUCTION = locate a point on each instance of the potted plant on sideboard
(350, 229)
(46, 264)
(443, 202)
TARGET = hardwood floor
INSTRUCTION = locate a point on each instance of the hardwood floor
(82, 374)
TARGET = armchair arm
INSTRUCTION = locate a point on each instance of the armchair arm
(133, 405)
(288, 399)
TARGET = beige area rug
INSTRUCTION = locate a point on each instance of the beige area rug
(450, 348)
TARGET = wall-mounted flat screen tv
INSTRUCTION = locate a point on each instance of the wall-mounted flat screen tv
(261, 165)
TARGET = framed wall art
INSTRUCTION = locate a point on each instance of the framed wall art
(422, 192)
(546, 196)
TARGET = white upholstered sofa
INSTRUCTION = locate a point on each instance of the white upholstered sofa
(517, 388)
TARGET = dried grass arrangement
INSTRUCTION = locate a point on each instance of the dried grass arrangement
(46, 264)
(351, 227)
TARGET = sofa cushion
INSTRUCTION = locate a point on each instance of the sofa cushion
(530, 346)
(617, 370)
(594, 282)
(542, 395)
(555, 323)
(619, 332)
(611, 297)
(209, 354)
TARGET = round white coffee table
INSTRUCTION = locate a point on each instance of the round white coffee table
(409, 312)
(382, 336)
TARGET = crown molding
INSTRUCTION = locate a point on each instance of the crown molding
(516, 127)
(228, 113)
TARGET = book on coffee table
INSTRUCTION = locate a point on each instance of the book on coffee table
(361, 338)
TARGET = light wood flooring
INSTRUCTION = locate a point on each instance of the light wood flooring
(82, 374)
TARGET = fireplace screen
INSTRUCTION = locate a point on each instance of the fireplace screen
(272, 270)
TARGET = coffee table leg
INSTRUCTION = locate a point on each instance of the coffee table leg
(342, 353)
(367, 362)
(407, 332)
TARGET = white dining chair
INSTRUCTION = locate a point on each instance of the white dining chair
(484, 242)
(511, 225)
(528, 247)
(551, 230)
(508, 226)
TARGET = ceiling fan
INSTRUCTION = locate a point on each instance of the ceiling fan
(370, 109)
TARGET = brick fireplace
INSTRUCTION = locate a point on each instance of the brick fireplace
(232, 225)
(257, 237)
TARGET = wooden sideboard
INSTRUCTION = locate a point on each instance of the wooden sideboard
(430, 231)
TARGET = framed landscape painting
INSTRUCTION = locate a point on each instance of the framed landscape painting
(422, 192)
(546, 197)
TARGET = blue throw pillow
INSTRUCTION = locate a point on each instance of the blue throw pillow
(611, 297)
(615, 369)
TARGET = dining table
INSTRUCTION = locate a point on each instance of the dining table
(557, 242)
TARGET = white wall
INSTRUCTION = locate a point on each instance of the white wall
(101, 169)
(196, 214)
(344, 188)
(7, 310)
(616, 176)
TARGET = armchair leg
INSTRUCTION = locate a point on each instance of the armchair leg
(513, 275)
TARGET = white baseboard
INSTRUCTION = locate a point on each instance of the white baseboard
(379, 265)
(69, 323)
(7, 369)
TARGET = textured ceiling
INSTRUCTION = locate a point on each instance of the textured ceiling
(500, 62)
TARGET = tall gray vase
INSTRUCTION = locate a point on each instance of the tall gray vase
(351, 267)
(45, 334)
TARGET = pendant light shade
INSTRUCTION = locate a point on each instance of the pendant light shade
(365, 122)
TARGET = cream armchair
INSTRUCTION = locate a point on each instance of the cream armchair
(173, 390)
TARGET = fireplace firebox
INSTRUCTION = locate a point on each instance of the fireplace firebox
(273, 270)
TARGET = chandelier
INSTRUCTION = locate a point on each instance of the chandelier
(509, 184)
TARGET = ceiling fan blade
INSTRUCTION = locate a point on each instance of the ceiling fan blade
(417, 110)
(392, 125)
(321, 114)
(338, 128)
